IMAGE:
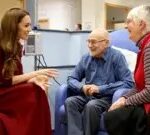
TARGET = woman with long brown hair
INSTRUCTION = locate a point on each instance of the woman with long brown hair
(24, 108)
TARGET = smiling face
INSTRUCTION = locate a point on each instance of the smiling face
(15, 25)
(135, 29)
(138, 22)
(97, 42)
(24, 27)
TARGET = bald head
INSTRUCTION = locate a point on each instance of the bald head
(99, 34)
(98, 42)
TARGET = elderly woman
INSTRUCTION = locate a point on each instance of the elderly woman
(131, 112)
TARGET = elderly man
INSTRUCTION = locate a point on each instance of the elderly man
(105, 71)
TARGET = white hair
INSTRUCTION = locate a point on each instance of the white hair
(141, 13)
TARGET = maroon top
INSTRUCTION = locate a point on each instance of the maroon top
(24, 108)
(19, 70)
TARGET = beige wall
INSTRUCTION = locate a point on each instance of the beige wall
(6, 4)
(93, 11)
(61, 14)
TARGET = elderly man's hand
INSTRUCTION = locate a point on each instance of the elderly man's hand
(86, 89)
(90, 89)
(93, 89)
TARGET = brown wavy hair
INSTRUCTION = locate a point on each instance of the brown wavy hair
(9, 39)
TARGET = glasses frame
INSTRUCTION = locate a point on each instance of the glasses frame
(96, 41)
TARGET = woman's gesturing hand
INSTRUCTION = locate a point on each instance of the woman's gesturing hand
(41, 81)
(48, 72)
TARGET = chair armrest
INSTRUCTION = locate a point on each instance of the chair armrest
(118, 93)
(61, 95)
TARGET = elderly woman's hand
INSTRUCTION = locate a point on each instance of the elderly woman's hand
(119, 103)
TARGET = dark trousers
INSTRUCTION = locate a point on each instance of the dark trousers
(83, 114)
(129, 120)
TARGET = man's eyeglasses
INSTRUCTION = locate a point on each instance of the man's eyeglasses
(95, 41)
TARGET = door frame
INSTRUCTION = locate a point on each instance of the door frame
(126, 8)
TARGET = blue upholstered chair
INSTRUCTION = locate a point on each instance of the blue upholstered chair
(120, 39)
